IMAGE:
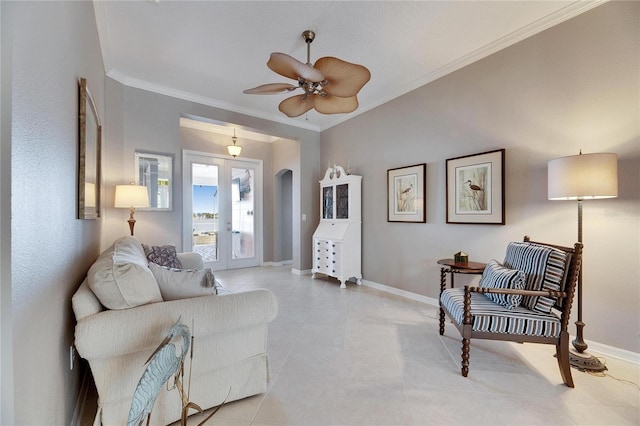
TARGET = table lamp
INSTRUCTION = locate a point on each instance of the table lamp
(131, 197)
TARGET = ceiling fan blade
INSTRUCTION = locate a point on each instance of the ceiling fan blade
(296, 105)
(270, 89)
(290, 67)
(334, 104)
(345, 79)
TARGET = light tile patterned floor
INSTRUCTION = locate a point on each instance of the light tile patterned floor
(359, 356)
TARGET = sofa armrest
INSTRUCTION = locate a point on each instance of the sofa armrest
(191, 260)
(120, 332)
(84, 302)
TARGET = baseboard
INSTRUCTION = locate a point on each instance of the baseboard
(278, 263)
(599, 348)
(403, 293)
(613, 352)
(300, 271)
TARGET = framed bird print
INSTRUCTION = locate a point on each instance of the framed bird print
(406, 194)
(475, 188)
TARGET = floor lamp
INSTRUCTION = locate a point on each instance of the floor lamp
(131, 197)
(583, 177)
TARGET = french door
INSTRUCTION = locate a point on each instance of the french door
(222, 218)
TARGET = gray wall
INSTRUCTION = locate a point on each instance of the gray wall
(286, 211)
(286, 167)
(6, 334)
(142, 120)
(51, 45)
(574, 86)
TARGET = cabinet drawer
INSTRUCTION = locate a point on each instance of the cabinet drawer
(328, 270)
(326, 244)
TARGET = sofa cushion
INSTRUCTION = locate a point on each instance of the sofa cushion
(163, 255)
(497, 276)
(492, 317)
(178, 284)
(120, 277)
(544, 267)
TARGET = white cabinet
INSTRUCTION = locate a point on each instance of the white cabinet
(337, 242)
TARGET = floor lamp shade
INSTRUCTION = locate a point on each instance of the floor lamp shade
(131, 197)
(584, 176)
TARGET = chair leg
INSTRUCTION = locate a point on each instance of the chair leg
(562, 354)
(465, 357)
(443, 285)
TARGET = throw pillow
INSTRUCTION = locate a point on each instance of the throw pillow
(497, 276)
(544, 268)
(183, 283)
(163, 255)
(120, 277)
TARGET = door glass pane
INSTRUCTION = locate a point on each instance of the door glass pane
(205, 210)
(242, 206)
(342, 201)
(327, 202)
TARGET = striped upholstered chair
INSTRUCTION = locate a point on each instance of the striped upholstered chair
(527, 298)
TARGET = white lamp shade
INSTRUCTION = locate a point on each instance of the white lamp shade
(128, 196)
(584, 176)
(234, 150)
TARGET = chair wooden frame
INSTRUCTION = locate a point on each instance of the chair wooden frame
(563, 305)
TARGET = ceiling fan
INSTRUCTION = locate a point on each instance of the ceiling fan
(330, 85)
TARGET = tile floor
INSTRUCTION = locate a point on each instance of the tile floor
(359, 356)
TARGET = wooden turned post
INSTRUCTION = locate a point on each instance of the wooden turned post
(443, 285)
(465, 357)
(466, 331)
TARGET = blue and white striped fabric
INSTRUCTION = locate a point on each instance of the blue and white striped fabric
(492, 317)
(544, 268)
(497, 276)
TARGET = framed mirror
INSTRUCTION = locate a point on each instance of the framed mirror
(155, 171)
(90, 134)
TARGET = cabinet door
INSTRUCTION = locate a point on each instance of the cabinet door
(342, 201)
(327, 202)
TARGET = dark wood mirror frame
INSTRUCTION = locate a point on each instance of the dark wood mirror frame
(89, 173)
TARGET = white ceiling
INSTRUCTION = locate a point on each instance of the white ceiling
(210, 51)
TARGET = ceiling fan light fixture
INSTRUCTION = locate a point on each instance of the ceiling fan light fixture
(330, 86)
(234, 150)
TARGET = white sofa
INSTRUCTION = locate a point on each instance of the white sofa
(230, 337)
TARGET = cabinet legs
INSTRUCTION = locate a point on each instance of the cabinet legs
(343, 281)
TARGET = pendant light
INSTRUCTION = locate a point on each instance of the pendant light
(234, 150)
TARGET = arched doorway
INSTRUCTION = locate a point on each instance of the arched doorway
(283, 217)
